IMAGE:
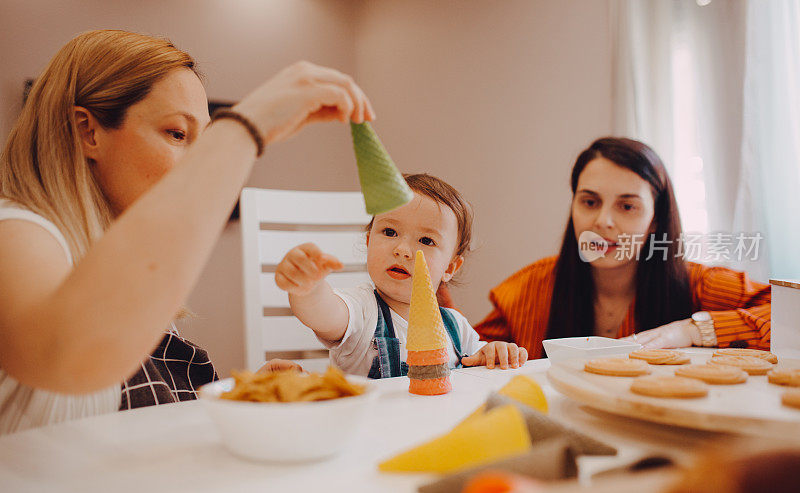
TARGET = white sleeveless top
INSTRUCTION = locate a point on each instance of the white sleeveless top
(23, 407)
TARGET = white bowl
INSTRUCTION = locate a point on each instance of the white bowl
(587, 347)
(286, 431)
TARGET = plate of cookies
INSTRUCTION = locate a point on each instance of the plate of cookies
(733, 390)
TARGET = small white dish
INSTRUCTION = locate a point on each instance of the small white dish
(587, 347)
(286, 431)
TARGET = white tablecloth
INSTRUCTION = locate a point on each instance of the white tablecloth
(176, 447)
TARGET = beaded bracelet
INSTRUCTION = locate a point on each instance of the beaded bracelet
(250, 126)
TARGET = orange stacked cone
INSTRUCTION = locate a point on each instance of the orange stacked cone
(428, 370)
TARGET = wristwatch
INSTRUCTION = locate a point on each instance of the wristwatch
(705, 324)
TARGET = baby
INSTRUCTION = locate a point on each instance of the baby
(360, 323)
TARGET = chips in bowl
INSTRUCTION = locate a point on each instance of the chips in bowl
(288, 416)
(291, 386)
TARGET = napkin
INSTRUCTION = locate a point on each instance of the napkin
(541, 427)
(498, 434)
(550, 460)
(383, 186)
(552, 456)
(522, 389)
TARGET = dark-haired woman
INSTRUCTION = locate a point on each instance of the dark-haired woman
(620, 271)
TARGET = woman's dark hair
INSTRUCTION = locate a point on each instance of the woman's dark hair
(662, 285)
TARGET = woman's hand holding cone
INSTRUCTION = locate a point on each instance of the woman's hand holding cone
(300, 94)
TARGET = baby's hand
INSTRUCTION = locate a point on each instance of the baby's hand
(507, 354)
(278, 365)
(303, 268)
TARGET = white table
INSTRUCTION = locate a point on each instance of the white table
(177, 448)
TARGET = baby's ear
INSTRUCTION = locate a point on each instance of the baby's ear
(452, 268)
(367, 238)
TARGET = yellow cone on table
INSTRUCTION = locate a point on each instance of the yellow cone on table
(425, 326)
(497, 434)
(522, 389)
(527, 391)
(426, 340)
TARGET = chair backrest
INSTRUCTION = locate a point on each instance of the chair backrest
(273, 222)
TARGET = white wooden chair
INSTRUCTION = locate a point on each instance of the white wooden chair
(273, 222)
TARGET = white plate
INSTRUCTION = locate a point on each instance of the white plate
(586, 347)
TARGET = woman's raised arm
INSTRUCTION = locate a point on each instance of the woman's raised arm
(83, 329)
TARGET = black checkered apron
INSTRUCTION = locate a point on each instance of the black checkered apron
(172, 373)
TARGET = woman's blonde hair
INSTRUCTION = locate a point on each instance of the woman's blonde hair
(42, 166)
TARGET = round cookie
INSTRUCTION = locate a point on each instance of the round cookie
(750, 364)
(786, 377)
(791, 398)
(713, 374)
(756, 353)
(617, 367)
(660, 356)
(666, 386)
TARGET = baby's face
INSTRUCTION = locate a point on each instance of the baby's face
(422, 224)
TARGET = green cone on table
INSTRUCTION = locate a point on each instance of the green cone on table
(382, 185)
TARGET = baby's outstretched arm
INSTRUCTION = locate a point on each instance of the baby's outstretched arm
(302, 274)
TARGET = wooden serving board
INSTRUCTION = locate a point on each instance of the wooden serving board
(752, 408)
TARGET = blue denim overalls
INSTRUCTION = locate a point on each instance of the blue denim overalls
(387, 363)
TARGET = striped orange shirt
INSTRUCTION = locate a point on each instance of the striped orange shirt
(739, 306)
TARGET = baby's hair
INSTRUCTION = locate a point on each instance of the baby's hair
(440, 191)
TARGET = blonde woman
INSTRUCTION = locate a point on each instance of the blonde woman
(114, 186)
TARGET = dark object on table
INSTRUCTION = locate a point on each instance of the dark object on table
(741, 470)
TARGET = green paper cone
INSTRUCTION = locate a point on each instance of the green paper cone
(382, 184)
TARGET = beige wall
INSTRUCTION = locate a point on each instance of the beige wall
(496, 97)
